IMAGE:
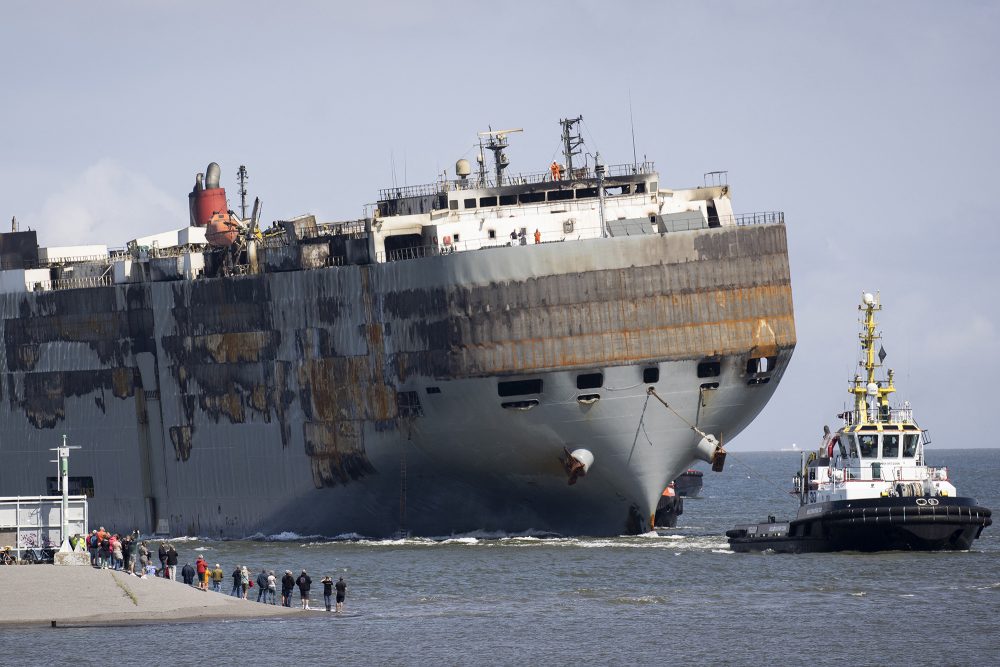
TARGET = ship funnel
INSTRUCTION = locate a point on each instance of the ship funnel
(207, 199)
(212, 176)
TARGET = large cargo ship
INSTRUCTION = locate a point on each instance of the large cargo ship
(472, 355)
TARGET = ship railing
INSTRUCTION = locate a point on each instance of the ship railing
(449, 246)
(70, 283)
(876, 416)
(60, 261)
(428, 189)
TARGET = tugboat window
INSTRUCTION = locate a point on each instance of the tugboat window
(890, 445)
(868, 443)
(910, 441)
(852, 446)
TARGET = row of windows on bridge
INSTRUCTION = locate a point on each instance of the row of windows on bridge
(550, 195)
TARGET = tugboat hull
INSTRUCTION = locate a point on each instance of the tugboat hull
(884, 524)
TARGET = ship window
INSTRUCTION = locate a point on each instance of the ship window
(470, 203)
(455, 238)
(559, 195)
(492, 233)
(519, 387)
(589, 380)
(890, 446)
(709, 369)
(910, 441)
(761, 364)
(487, 201)
(585, 193)
(852, 445)
(868, 445)
(640, 188)
(654, 186)
(531, 197)
(508, 200)
(433, 390)
(453, 204)
(77, 486)
(651, 375)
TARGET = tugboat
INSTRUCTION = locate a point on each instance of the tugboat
(669, 507)
(868, 487)
(688, 484)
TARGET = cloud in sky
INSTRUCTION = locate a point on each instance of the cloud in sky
(106, 203)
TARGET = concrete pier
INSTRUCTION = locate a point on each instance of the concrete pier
(70, 596)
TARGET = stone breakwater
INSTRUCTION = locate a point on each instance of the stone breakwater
(41, 594)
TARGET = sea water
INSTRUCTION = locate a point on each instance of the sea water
(680, 596)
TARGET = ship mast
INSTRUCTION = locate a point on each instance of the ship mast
(869, 388)
(497, 143)
(242, 174)
(571, 142)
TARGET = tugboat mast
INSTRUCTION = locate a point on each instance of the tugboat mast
(871, 388)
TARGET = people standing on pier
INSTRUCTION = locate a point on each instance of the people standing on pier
(162, 552)
(104, 551)
(201, 567)
(272, 588)
(327, 592)
(287, 585)
(172, 562)
(92, 544)
(187, 574)
(117, 558)
(304, 583)
(262, 586)
(143, 555)
(341, 594)
(237, 578)
(244, 581)
(217, 576)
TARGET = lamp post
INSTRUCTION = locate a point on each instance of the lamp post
(63, 468)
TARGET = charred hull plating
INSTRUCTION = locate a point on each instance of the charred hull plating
(365, 398)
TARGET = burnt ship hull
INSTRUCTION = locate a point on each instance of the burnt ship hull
(364, 399)
(878, 524)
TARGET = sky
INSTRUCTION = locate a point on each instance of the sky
(872, 125)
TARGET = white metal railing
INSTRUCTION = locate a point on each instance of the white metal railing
(70, 283)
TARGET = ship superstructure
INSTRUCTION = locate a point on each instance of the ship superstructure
(448, 363)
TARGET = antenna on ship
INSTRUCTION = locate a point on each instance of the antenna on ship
(571, 142)
(497, 143)
(242, 174)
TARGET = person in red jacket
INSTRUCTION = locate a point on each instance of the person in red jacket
(202, 568)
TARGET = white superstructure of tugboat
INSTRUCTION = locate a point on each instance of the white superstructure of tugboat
(868, 487)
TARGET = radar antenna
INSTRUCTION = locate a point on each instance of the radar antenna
(571, 142)
(497, 143)
(242, 174)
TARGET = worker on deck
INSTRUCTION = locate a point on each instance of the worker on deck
(556, 170)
